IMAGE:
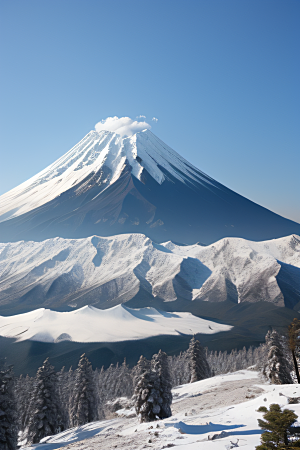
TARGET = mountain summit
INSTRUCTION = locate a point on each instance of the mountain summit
(110, 184)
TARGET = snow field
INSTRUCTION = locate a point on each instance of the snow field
(90, 324)
(191, 425)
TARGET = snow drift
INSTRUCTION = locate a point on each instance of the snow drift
(90, 324)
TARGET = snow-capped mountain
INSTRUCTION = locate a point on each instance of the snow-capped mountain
(106, 271)
(89, 324)
(110, 184)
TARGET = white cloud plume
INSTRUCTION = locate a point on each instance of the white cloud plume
(124, 126)
(154, 119)
(141, 117)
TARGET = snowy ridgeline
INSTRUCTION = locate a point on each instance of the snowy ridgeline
(51, 402)
(111, 270)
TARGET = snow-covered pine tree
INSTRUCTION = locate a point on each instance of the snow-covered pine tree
(277, 367)
(143, 395)
(84, 408)
(23, 388)
(8, 431)
(99, 376)
(241, 359)
(124, 386)
(108, 383)
(232, 360)
(42, 418)
(65, 381)
(199, 367)
(113, 381)
(249, 357)
(143, 365)
(105, 386)
(185, 367)
(152, 395)
(98, 405)
(160, 366)
(259, 355)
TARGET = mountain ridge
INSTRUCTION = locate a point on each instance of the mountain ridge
(63, 274)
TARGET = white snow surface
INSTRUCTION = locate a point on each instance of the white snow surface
(113, 269)
(98, 151)
(189, 429)
(89, 324)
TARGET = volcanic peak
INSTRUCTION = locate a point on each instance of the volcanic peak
(104, 153)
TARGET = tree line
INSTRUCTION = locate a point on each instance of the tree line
(32, 408)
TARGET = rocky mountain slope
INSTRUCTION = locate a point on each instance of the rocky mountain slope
(63, 274)
(109, 184)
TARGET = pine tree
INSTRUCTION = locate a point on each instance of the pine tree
(277, 366)
(143, 396)
(278, 425)
(153, 396)
(42, 418)
(22, 391)
(143, 365)
(84, 408)
(8, 432)
(109, 377)
(124, 386)
(199, 367)
(65, 381)
(99, 391)
(160, 366)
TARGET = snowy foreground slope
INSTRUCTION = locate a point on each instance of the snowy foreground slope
(108, 184)
(116, 324)
(202, 410)
(107, 271)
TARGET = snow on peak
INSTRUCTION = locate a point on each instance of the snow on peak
(105, 153)
(89, 324)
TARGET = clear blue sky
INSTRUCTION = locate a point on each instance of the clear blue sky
(222, 77)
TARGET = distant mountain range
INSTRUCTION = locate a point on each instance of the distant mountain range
(64, 274)
(108, 185)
